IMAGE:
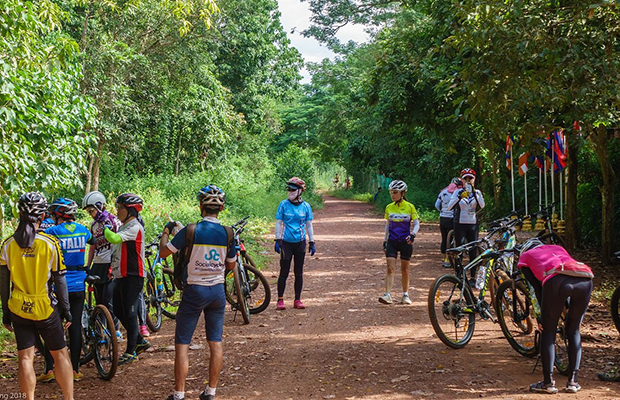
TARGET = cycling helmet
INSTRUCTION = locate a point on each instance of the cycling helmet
(211, 195)
(457, 181)
(63, 208)
(468, 172)
(296, 183)
(95, 199)
(130, 200)
(530, 244)
(398, 185)
(32, 203)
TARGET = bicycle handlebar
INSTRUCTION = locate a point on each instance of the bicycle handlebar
(239, 226)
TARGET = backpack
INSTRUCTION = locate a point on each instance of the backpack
(181, 258)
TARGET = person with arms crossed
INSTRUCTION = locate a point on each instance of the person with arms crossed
(29, 261)
(212, 252)
(399, 236)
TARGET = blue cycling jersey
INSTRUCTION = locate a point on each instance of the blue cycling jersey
(294, 217)
(73, 238)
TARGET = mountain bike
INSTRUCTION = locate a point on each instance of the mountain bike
(518, 312)
(161, 295)
(247, 290)
(99, 342)
(549, 235)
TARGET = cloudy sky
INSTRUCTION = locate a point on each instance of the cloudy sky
(296, 15)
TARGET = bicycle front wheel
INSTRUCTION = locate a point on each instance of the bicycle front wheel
(87, 334)
(105, 345)
(516, 317)
(153, 305)
(450, 309)
(561, 348)
(260, 292)
(240, 295)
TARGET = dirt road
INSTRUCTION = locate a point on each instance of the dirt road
(346, 345)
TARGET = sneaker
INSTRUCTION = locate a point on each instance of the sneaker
(446, 264)
(298, 304)
(609, 376)
(280, 305)
(386, 299)
(77, 376)
(119, 336)
(144, 332)
(405, 299)
(142, 347)
(127, 358)
(204, 396)
(171, 397)
(45, 378)
(572, 387)
(542, 387)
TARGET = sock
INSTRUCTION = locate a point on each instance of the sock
(210, 390)
(179, 395)
(405, 293)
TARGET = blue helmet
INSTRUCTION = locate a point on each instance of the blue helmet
(211, 195)
(63, 208)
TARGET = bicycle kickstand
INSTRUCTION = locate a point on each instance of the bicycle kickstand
(536, 365)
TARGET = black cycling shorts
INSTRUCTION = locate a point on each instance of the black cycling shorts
(50, 329)
(393, 247)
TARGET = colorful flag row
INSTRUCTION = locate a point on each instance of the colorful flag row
(555, 149)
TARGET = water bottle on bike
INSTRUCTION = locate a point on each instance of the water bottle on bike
(157, 271)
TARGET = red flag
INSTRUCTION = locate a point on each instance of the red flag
(509, 143)
(559, 149)
(523, 164)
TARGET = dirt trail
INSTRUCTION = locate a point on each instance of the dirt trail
(346, 345)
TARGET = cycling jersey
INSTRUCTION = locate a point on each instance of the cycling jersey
(73, 238)
(128, 256)
(31, 268)
(294, 217)
(465, 208)
(103, 248)
(547, 261)
(209, 252)
(399, 216)
(442, 204)
(46, 223)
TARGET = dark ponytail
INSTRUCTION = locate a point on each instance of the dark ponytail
(26, 230)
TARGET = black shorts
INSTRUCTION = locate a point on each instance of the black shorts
(393, 247)
(50, 329)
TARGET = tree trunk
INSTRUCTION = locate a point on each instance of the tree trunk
(178, 160)
(572, 228)
(89, 174)
(97, 163)
(600, 139)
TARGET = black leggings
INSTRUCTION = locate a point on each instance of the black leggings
(104, 293)
(290, 251)
(554, 295)
(126, 291)
(445, 225)
(76, 305)
(465, 233)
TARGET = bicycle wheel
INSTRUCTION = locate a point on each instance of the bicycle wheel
(87, 334)
(561, 348)
(451, 243)
(517, 326)
(105, 345)
(499, 275)
(240, 295)
(449, 307)
(551, 238)
(615, 309)
(260, 295)
(153, 306)
(172, 296)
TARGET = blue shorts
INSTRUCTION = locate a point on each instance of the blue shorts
(210, 300)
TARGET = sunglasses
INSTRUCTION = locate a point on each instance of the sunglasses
(290, 189)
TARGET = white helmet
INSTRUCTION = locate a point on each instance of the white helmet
(95, 199)
(530, 244)
(398, 185)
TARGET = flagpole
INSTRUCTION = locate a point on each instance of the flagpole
(561, 203)
(525, 184)
(512, 179)
(546, 191)
(552, 169)
(539, 189)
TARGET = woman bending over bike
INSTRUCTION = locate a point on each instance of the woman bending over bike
(293, 220)
(401, 229)
(446, 216)
(558, 280)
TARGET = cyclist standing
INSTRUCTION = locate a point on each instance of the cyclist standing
(399, 236)
(203, 287)
(128, 270)
(293, 220)
(73, 238)
(466, 202)
(557, 280)
(100, 255)
(27, 260)
(446, 216)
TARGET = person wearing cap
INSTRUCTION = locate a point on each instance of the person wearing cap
(466, 202)
(446, 216)
(293, 221)
(28, 261)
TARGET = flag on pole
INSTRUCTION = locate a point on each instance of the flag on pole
(559, 148)
(509, 143)
(523, 164)
(538, 161)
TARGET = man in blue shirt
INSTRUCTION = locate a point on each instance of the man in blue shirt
(203, 283)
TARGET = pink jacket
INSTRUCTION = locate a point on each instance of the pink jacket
(550, 260)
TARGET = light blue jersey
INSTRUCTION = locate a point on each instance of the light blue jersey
(294, 217)
(73, 238)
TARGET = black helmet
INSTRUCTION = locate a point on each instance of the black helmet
(130, 200)
(32, 203)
